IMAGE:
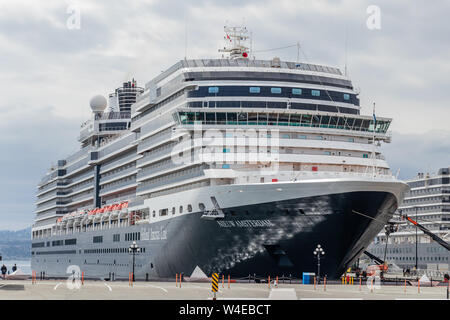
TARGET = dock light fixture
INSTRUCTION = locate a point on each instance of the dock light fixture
(133, 249)
(318, 252)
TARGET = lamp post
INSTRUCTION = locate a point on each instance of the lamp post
(133, 249)
(318, 252)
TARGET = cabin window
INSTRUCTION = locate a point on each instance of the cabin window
(189, 208)
(213, 89)
(296, 91)
(275, 90)
(255, 90)
(346, 96)
(315, 93)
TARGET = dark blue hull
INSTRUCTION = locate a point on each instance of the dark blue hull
(272, 238)
(279, 237)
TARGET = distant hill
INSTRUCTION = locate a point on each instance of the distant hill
(15, 244)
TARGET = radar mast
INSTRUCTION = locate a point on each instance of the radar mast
(235, 38)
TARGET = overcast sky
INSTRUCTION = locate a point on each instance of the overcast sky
(48, 71)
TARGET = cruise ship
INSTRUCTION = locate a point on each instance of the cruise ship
(231, 165)
(428, 203)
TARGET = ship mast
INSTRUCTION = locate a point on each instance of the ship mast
(235, 38)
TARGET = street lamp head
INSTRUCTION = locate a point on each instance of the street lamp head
(134, 243)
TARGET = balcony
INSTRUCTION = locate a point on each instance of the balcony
(118, 186)
(145, 187)
(110, 177)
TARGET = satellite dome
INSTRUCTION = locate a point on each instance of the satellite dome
(98, 103)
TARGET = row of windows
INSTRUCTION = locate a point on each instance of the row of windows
(109, 250)
(286, 92)
(132, 236)
(55, 243)
(271, 105)
(281, 119)
(165, 212)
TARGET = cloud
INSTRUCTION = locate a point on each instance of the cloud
(413, 153)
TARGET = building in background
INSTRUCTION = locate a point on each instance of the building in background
(428, 203)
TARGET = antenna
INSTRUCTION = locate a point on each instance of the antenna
(346, 38)
(233, 37)
(185, 36)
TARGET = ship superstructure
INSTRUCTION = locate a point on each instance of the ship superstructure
(233, 165)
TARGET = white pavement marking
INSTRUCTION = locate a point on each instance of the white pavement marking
(57, 285)
(158, 288)
(108, 287)
(331, 298)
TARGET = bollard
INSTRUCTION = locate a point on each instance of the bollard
(360, 281)
(176, 280)
(314, 283)
(82, 278)
(228, 281)
(276, 282)
(269, 282)
(325, 283)
(223, 281)
(448, 288)
(371, 285)
(418, 286)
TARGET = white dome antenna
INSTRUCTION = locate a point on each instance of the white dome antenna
(98, 104)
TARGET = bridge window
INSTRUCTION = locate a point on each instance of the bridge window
(255, 89)
(346, 96)
(315, 93)
(275, 90)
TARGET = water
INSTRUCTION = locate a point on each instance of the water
(22, 265)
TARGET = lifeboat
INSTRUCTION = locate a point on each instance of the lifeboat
(123, 209)
(115, 210)
(106, 213)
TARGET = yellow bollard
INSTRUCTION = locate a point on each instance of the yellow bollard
(176, 280)
(325, 283)
(223, 281)
(228, 281)
(371, 285)
(418, 286)
(269, 282)
(314, 283)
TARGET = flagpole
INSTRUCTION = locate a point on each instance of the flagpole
(373, 137)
